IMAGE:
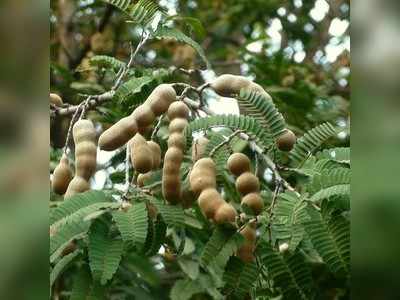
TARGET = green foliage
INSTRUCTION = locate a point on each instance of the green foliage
(131, 87)
(341, 154)
(264, 110)
(248, 124)
(164, 32)
(239, 278)
(330, 235)
(289, 272)
(108, 62)
(85, 288)
(310, 141)
(133, 224)
(104, 252)
(62, 265)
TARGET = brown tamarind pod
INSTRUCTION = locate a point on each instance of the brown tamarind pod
(187, 198)
(62, 176)
(225, 214)
(56, 99)
(286, 141)
(228, 85)
(238, 163)
(156, 151)
(247, 183)
(142, 178)
(143, 115)
(199, 147)
(118, 134)
(141, 154)
(84, 135)
(171, 179)
(76, 186)
(177, 125)
(209, 202)
(176, 139)
(161, 98)
(178, 109)
(203, 175)
(246, 251)
(254, 202)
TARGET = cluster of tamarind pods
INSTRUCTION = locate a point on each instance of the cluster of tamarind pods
(146, 156)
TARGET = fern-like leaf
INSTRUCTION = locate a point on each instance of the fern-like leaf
(171, 214)
(220, 156)
(239, 277)
(336, 190)
(289, 214)
(290, 272)
(108, 62)
(75, 203)
(133, 224)
(164, 32)
(104, 252)
(330, 235)
(85, 288)
(310, 142)
(144, 11)
(329, 178)
(160, 231)
(184, 289)
(341, 155)
(62, 265)
(131, 87)
(259, 107)
(247, 124)
(123, 5)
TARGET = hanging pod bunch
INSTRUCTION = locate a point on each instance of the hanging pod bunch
(155, 152)
(178, 114)
(84, 135)
(140, 120)
(199, 148)
(246, 251)
(247, 183)
(203, 183)
(286, 141)
(228, 85)
(62, 176)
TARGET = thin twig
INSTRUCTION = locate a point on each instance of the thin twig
(271, 209)
(157, 127)
(227, 141)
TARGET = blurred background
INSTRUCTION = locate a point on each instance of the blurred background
(299, 50)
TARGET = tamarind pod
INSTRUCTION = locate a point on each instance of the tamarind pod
(247, 183)
(225, 214)
(76, 186)
(141, 154)
(176, 139)
(145, 130)
(201, 179)
(171, 179)
(238, 163)
(161, 98)
(56, 99)
(177, 125)
(118, 134)
(143, 115)
(286, 141)
(246, 251)
(142, 178)
(83, 130)
(209, 202)
(62, 176)
(85, 154)
(187, 198)
(156, 151)
(254, 202)
(228, 85)
(198, 148)
(178, 109)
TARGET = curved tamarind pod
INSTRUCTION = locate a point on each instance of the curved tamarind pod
(56, 99)
(225, 214)
(144, 116)
(141, 154)
(238, 163)
(171, 180)
(142, 178)
(161, 98)
(76, 186)
(228, 85)
(246, 251)
(247, 183)
(62, 176)
(199, 147)
(286, 141)
(203, 175)
(156, 151)
(178, 109)
(118, 134)
(84, 135)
